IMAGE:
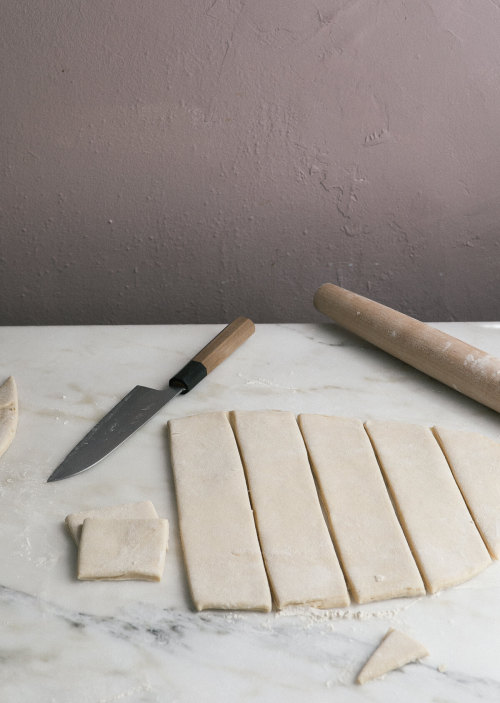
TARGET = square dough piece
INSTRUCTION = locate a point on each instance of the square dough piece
(438, 526)
(298, 552)
(221, 549)
(122, 549)
(144, 509)
(475, 463)
(371, 545)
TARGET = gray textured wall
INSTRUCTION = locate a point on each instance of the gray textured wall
(171, 161)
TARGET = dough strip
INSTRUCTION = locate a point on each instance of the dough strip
(475, 463)
(371, 545)
(438, 526)
(298, 552)
(221, 549)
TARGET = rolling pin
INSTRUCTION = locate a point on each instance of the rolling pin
(464, 368)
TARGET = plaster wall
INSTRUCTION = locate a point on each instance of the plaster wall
(170, 161)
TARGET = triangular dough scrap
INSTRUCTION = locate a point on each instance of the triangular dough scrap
(475, 463)
(395, 650)
(8, 413)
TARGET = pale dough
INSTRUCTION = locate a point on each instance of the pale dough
(8, 413)
(298, 552)
(475, 463)
(221, 549)
(143, 509)
(437, 524)
(372, 548)
(122, 549)
(395, 650)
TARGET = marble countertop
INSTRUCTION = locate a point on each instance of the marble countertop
(99, 642)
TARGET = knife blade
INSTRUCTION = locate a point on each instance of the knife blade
(142, 403)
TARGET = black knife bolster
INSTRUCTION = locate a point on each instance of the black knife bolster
(187, 378)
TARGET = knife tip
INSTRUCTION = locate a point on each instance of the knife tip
(55, 476)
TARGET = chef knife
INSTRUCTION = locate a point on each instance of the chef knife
(138, 406)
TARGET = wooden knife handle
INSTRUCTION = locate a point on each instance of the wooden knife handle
(465, 368)
(226, 342)
(221, 346)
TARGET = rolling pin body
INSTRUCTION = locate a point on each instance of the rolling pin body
(467, 369)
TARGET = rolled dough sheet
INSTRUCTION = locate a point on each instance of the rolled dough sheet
(221, 548)
(298, 551)
(143, 509)
(8, 413)
(438, 526)
(122, 549)
(395, 650)
(475, 463)
(371, 545)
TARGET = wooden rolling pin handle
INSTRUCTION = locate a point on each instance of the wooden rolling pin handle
(467, 369)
